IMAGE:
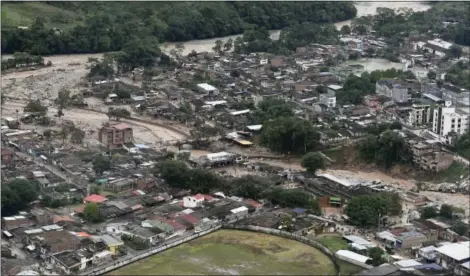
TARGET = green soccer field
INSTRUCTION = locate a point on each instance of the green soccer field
(230, 252)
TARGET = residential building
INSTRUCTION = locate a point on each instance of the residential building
(333, 88)
(52, 242)
(463, 269)
(112, 243)
(9, 223)
(115, 136)
(437, 47)
(328, 99)
(429, 156)
(455, 94)
(392, 88)
(133, 230)
(277, 61)
(419, 115)
(428, 253)
(207, 89)
(93, 198)
(448, 119)
(193, 201)
(407, 240)
(453, 255)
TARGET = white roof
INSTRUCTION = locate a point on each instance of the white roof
(218, 156)
(335, 179)
(51, 227)
(33, 231)
(187, 211)
(440, 43)
(19, 217)
(28, 272)
(102, 254)
(358, 240)
(457, 251)
(206, 87)
(407, 263)
(432, 97)
(428, 249)
(214, 103)
(239, 112)
(255, 127)
(239, 209)
(466, 265)
(335, 87)
(352, 255)
(38, 174)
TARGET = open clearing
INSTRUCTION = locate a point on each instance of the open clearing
(230, 252)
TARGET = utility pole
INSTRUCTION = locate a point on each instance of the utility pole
(380, 215)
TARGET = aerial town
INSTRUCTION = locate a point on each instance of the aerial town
(261, 153)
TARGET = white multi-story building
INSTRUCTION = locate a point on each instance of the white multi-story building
(393, 89)
(448, 119)
(328, 99)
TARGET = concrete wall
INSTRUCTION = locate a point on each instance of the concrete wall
(291, 236)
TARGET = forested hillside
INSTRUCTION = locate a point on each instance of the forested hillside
(88, 27)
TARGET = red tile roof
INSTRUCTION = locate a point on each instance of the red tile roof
(198, 196)
(208, 197)
(56, 219)
(176, 225)
(94, 198)
(121, 126)
(253, 203)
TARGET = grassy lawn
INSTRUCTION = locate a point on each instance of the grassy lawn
(453, 173)
(332, 242)
(24, 14)
(229, 252)
(346, 268)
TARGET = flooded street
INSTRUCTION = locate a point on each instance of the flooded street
(372, 64)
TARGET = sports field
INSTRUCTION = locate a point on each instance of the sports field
(230, 252)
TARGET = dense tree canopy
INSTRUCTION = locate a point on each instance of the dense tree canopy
(366, 210)
(387, 149)
(462, 145)
(313, 161)
(396, 25)
(289, 134)
(17, 194)
(105, 27)
(355, 88)
(458, 74)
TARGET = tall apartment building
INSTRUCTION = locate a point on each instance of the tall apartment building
(328, 99)
(448, 119)
(394, 89)
(116, 135)
(420, 114)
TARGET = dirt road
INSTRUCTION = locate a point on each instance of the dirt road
(91, 121)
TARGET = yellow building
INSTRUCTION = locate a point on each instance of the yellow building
(113, 244)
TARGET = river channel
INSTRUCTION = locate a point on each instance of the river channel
(363, 8)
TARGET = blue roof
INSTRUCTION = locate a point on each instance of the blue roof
(299, 210)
